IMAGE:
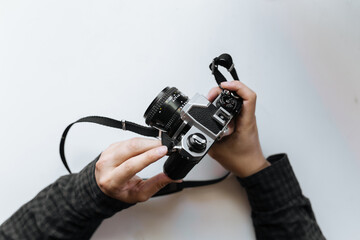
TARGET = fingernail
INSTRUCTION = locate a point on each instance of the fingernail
(226, 84)
(162, 150)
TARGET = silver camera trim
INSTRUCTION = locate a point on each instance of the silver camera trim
(200, 101)
(184, 143)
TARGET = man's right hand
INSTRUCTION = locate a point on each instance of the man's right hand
(240, 152)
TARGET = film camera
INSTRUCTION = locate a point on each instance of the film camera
(189, 127)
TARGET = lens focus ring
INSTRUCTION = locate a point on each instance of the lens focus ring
(163, 108)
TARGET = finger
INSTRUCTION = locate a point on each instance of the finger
(130, 167)
(153, 185)
(241, 89)
(248, 95)
(231, 128)
(213, 93)
(121, 151)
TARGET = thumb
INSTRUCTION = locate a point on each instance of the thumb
(155, 183)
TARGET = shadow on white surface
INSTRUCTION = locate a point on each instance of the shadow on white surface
(199, 213)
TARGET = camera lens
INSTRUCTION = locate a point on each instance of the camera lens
(164, 111)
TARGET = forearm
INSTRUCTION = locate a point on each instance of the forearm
(279, 209)
(70, 208)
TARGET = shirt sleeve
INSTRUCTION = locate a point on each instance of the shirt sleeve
(70, 208)
(279, 209)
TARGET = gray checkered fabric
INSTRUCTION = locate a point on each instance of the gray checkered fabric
(74, 206)
(70, 208)
(279, 209)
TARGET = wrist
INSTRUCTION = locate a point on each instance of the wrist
(249, 165)
(95, 203)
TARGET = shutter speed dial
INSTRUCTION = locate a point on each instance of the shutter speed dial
(228, 101)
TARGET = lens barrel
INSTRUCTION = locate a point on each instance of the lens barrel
(177, 166)
(164, 111)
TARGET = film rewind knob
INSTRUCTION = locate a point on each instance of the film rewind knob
(197, 142)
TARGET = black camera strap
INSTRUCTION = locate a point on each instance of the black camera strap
(139, 129)
(124, 125)
(225, 61)
(177, 187)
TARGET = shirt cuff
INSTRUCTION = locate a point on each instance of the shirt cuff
(93, 200)
(273, 186)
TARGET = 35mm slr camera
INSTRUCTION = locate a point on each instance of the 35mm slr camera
(189, 127)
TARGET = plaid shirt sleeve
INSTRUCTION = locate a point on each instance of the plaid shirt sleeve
(70, 208)
(279, 209)
(74, 206)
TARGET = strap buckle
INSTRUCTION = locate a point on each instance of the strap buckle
(123, 125)
(231, 67)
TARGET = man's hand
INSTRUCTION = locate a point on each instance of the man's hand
(116, 170)
(240, 151)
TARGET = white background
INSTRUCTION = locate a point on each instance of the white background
(62, 60)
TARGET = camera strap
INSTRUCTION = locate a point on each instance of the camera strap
(139, 129)
(224, 60)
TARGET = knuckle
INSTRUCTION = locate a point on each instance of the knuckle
(99, 165)
(106, 156)
(128, 167)
(104, 183)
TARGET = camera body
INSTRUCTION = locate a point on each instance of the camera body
(189, 127)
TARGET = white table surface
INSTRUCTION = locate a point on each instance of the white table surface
(62, 60)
